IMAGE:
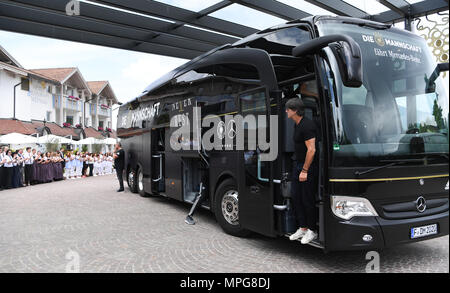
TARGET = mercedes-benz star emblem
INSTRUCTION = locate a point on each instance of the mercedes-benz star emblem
(421, 204)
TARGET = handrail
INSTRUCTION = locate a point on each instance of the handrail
(160, 167)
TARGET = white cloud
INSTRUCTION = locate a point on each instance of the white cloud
(148, 68)
(246, 16)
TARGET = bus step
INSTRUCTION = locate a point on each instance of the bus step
(198, 200)
(314, 243)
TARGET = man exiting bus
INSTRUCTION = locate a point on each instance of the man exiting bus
(119, 162)
(305, 172)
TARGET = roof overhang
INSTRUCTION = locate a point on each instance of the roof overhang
(158, 28)
(7, 58)
(107, 91)
(13, 69)
(77, 74)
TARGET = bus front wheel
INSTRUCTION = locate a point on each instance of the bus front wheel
(227, 208)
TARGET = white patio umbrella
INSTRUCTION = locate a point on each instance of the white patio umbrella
(110, 141)
(17, 138)
(65, 140)
(49, 138)
(88, 141)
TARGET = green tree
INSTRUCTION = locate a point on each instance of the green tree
(437, 113)
(97, 147)
(52, 145)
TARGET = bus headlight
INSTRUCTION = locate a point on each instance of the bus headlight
(346, 207)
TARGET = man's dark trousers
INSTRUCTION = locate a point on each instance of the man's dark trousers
(120, 177)
(28, 174)
(304, 196)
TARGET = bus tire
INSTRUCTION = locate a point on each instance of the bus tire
(140, 183)
(131, 180)
(226, 209)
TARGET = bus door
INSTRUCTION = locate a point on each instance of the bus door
(255, 183)
(157, 160)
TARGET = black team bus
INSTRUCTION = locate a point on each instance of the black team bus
(376, 96)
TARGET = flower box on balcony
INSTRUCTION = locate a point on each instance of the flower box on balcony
(100, 129)
(66, 124)
(108, 129)
(78, 126)
(103, 106)
(73, 98)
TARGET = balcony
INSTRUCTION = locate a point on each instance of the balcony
(103, 111)
(71, 103)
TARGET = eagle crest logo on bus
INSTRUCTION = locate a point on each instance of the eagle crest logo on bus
(234, 132)
(379, 39)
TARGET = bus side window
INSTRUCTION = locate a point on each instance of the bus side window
(164, 116)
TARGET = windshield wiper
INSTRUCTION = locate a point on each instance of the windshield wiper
(402, 161)
(428, 155)
(359, 173)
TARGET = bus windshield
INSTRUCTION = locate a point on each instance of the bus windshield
(397, 113)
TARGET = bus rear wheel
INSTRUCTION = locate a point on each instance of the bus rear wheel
(226, 208)
(140, 183)
(132, 181)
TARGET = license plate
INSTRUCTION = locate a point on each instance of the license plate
(423, 231)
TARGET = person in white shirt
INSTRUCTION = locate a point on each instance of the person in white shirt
(69, 165)
(29, 160)
(8, 171)
(78, 165)
(21, 167)
(2, 168)
(101, 165)
(108, 164)
(96, 165)
(90, 163)
(16, 177)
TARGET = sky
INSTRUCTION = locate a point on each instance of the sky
(130, 72)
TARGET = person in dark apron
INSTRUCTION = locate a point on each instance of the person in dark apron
(2, 168)
(39, 168)
(16, 171)
(8, 171)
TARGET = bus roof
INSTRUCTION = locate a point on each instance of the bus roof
(190, 64)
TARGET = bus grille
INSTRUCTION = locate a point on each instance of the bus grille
(407, 210)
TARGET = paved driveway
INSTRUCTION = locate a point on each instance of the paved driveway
(48, 228)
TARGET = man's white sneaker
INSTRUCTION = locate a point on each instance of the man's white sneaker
(309, 236)
(297, 235)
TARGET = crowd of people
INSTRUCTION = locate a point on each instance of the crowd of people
(28, 166)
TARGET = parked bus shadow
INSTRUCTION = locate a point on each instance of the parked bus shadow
(414, 257)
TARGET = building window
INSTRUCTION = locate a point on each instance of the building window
(25, 84)
(48, 116)
(69, 119)
(100, 124)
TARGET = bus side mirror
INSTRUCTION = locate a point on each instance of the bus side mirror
(346, 51)
(431, 85)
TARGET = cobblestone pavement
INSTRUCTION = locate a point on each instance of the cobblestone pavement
(123, 232)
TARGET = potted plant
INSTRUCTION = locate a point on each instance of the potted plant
(66, 124)
(100, 128)
(78, 126)
(109, 129)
